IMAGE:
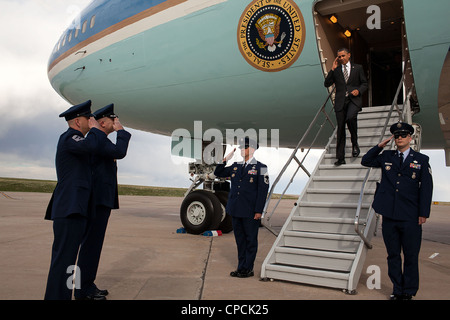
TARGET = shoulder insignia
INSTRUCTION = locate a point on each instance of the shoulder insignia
(266, 178)
(77, 138)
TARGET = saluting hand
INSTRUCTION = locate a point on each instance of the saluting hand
(117, 125)
(335, 64)
(230, 155)
(94, 124)
(383, 143)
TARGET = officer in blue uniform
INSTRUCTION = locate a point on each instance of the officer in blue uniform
(105, 198)
(403, 198)
(70, 206)
(246, 200)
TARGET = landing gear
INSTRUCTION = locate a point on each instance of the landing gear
(203, 210)
(200, 211)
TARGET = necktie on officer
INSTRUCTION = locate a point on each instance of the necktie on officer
(243, 168)
(400, 156)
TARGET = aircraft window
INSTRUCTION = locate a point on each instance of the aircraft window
(70, 36)
(83, 28)
(92, 22)
(76, 32)
(64, 41)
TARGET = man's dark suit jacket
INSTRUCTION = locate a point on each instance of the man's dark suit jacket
(357, 80)
(105, 170)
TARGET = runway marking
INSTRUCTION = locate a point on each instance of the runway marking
(8, 196)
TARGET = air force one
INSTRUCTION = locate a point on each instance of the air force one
(235, 64)
(260, 65)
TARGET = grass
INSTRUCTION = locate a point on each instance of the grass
(47, 186)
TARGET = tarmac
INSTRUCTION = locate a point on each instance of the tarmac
(144, 258)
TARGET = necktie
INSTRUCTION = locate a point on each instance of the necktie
(400, 155)
(345, 73)
(243, 168)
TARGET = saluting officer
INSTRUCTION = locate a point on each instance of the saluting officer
(105, 198)
(403, 198)
(249, 186)
(71, 204)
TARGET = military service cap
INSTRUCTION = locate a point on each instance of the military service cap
(400, 127)
(247, 142)
(107, 111)
(79, 110)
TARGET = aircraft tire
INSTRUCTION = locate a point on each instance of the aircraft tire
(226, 224)
(200, 211)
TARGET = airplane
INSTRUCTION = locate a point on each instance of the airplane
(257, 64)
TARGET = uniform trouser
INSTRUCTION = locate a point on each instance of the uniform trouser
(246, 236)
(348, 115)
(90, 251)
(406, 236)
(68, 233)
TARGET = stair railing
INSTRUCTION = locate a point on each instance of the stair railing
(266, 218)
(369, 170)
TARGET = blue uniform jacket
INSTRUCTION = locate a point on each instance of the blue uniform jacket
(405, 192)
(248, 188)
(74, 172)
(105, 170)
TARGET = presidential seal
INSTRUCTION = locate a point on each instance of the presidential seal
(271, 34)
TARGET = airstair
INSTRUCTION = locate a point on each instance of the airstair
(327, 235)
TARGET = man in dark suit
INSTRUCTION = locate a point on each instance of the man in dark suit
(350, 83)
(246, 200)
(71, 204)
(105, 198)
(403, 198)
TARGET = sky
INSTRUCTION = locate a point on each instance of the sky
(29, 108)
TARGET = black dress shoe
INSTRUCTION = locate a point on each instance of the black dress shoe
(339, 162)
(395, 297)
(94, 296)
(355, 150)
(100, 292)
(235, 273)
(246, 274)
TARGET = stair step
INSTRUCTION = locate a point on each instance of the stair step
(323, 225)
(379, 108)
(347, 182)
(337, 195)
(322, 241)
(376, 115)
(334, 209)
(326, 260)
(338, 191)
(341, 178)
(353, 169)
(308, 276)
(332, 204)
